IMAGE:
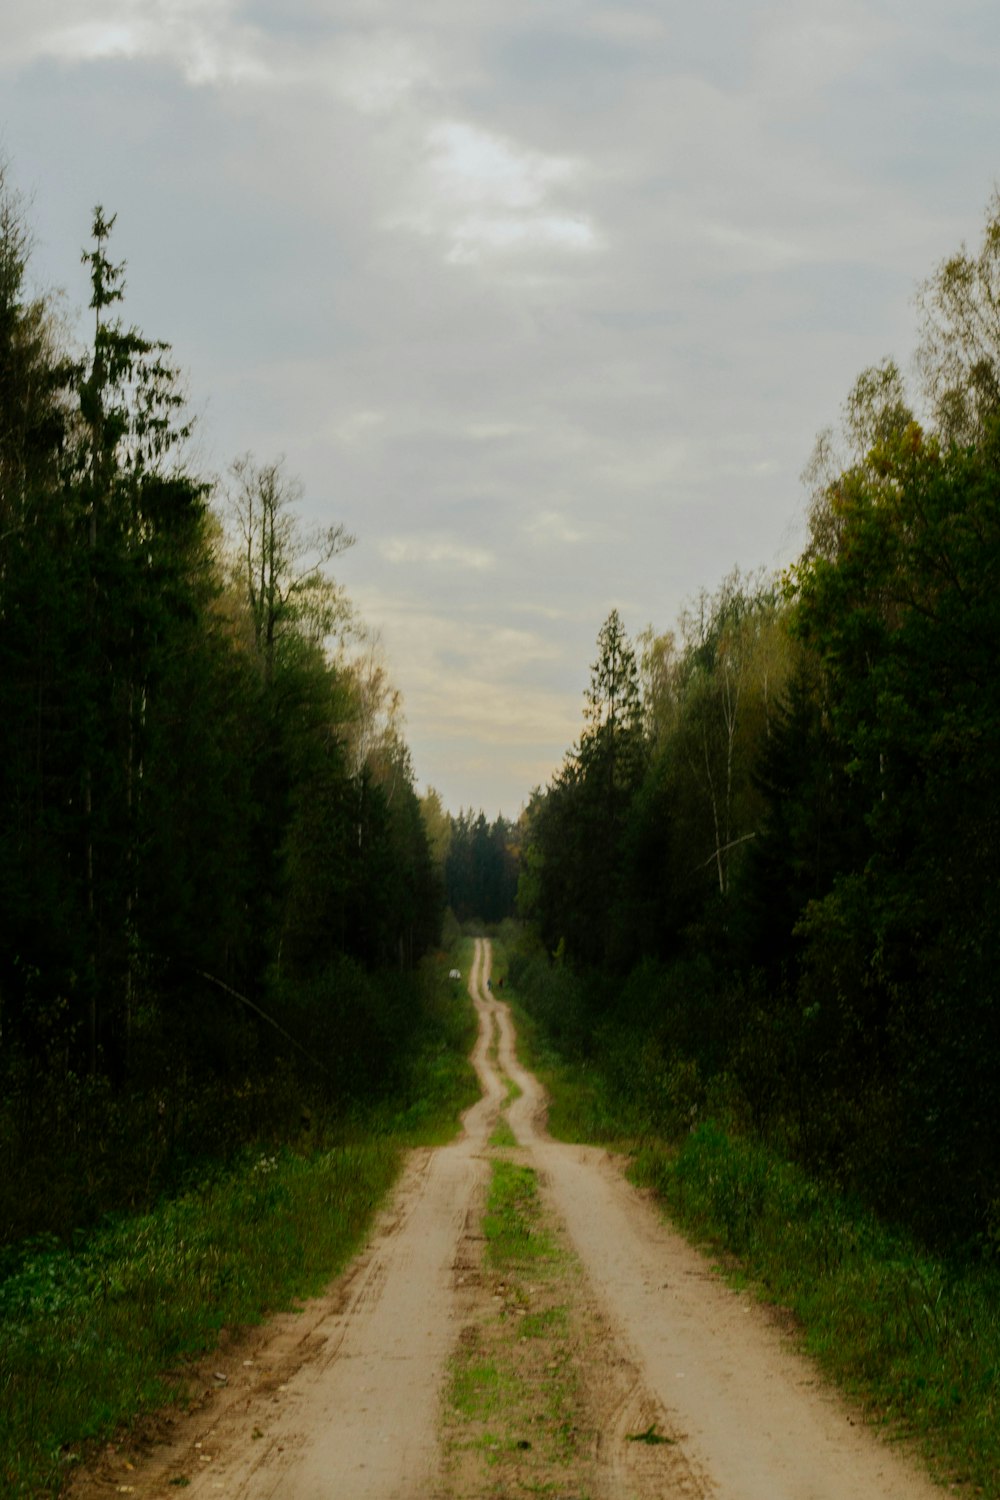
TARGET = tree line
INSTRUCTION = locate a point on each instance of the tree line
(213, 867)
(765, 879)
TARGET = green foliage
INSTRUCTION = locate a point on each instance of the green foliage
(480, 868)
(792, 905)
(439, 1080)
(570, 882)
(902, 948)
(959, 353)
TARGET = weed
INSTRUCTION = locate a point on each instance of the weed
(502, 1135)
(650, 1436)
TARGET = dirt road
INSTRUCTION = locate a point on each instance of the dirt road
(355, 1398)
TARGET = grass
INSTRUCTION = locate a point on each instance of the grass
(512, 1400)
(481, 1390)
(94, 1334)
(512, 1227)
(514, 1090)
(541, 1325)
(503, 1137)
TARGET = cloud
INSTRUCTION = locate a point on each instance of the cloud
(489, 432)
(436, 553)
(544, 302)
(202, 38)
(483, 703)
(472, 166)
(377, 72)
(751, 247)
(555, 526)
(483, 194)
(358, 427)
(802, 51)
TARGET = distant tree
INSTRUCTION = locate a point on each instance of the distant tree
(612, 748)
(437, 825)
(571, 859)
(481, 868)
(735, 666)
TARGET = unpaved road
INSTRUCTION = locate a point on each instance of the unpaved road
(348, 1400)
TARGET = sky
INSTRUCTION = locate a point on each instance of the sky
(545, 300)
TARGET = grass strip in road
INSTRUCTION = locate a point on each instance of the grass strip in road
(512, 1405)
(503, 1137)
(514, 1233)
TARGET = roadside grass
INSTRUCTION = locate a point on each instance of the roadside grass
(512, 1403)
(93, 1337)
(915, 1339)
(94, 1334)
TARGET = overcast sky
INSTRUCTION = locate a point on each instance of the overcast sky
(546, 300)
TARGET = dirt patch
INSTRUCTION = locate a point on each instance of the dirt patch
(541, 1398)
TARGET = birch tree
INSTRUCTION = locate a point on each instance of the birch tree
(280, 566)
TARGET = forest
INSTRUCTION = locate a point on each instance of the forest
(215, 879)
(762, 887)
(764, 882)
